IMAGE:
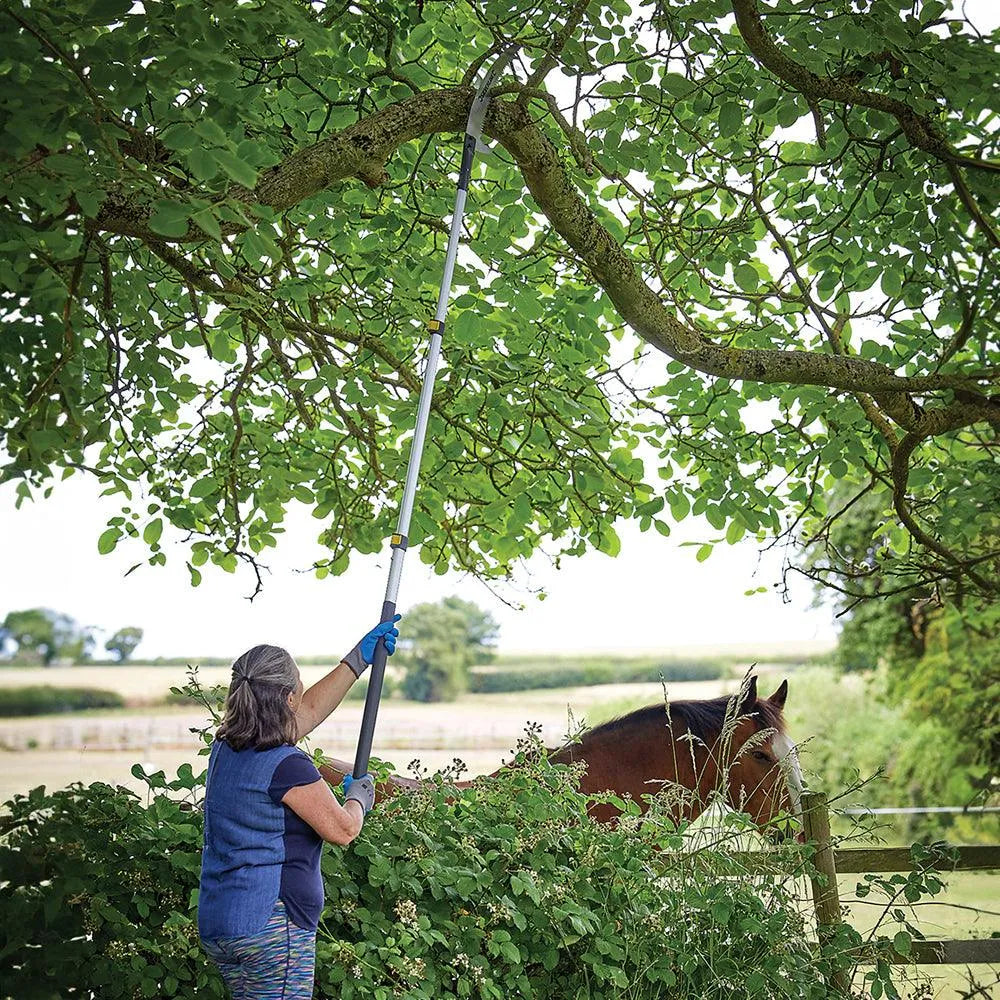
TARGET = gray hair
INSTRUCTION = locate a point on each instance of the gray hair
(257, 712)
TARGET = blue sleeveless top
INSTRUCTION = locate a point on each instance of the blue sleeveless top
(256, 849)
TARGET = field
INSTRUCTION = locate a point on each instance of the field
(479, 729)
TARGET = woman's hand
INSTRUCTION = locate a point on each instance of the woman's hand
(360, 790)
(360, 658)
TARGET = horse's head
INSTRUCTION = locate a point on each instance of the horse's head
(763, 777)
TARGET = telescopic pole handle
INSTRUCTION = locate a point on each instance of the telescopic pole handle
(473, 131)
(375, 679)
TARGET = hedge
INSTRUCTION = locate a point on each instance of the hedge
(506, 889)
(44, 699)
(552, 674)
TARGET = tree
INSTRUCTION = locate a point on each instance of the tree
(48, 634)
(939, 659)
(480, 629)
(444, 640)
(850, 562)
(123, 643)
(715, 268)
(957, 680)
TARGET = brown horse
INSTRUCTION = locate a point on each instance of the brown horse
(732, 747)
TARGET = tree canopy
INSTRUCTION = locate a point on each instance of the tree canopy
(725, 254)
(45, 634)
(443, 640)
(940, 659)
(124, 642)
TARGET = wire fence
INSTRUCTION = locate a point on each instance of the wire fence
(917, 810)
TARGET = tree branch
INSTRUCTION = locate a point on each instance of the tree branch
(921, 131)
(362, 149)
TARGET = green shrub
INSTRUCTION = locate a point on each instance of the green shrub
(852, 737)
(553, 674)
(43, 699)
(390, 686)
(506, 889)
(510, 890)
(98, 901)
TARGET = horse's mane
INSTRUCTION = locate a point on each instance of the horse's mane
(703, 719)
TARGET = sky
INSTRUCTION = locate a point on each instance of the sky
(654, 597)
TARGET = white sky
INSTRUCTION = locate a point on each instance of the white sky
(653, 597)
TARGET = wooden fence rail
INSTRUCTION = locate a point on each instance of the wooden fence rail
(853, 860)
(829, 862)
(921, 810)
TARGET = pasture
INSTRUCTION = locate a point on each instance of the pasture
(104, 744)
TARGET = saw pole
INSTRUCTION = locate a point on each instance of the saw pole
(400, 542)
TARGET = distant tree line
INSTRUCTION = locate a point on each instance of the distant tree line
(441, 641)
(41, 635)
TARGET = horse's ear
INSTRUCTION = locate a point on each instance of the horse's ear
(748, 698)
(778, 698)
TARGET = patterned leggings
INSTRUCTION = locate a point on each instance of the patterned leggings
(277, 963)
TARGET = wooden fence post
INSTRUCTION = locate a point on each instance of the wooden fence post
(826, 897)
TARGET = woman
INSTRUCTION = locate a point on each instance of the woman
(267, 813)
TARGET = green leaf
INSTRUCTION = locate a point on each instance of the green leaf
(651, 507)
(169, 218)
(202, 163)
(108, 540)
(153, 530)
(204, 487)
(107, 11)
(902, 943)
(892, 282)
(236, 168)
(680, 506)
(211, 131)
(704, 552)
(730, 118)
(746, 277)
(676, 85)
(610, 542)
(520, 514)
(716, 517)
(207, 223)
(735, 531)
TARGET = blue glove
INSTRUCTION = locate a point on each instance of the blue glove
(359, 658)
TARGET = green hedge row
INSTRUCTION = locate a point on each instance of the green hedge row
(507, 889)
(43, 699)
(586, 673)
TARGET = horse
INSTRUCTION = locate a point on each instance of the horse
(731, 748)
